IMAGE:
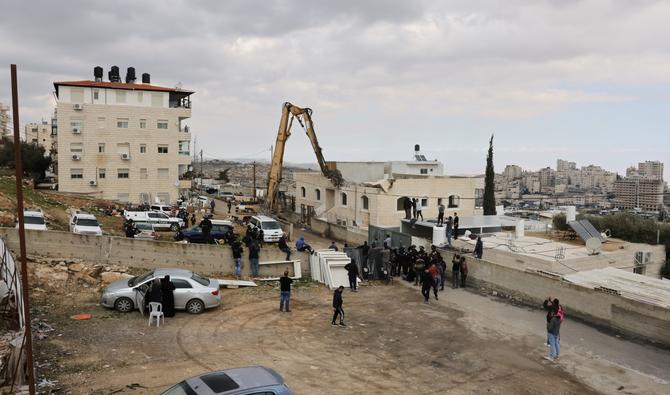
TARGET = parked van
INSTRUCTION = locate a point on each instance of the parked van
(33, 219)
(271, 229)
(85, 224)
(159, 219)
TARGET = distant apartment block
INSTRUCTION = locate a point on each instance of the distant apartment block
(123, 141)
(4, 120)
(41, 134)
(638, 193)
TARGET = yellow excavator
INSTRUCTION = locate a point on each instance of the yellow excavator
(304, 118)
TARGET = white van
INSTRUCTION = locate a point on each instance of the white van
(85, 224)
(159, 219)
(33, 219)
(271, 229)
(226, 195)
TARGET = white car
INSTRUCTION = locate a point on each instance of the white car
(159, 219)
(226, 195)
(33, 219)
(272, 231)
(85, 224)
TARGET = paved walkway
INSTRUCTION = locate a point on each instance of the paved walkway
(601, 360)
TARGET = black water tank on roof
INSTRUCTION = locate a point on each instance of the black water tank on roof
(97, 73)
(416, 148)
(114, 75)
(146, 78)
(130, 75)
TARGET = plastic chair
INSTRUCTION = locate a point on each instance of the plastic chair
(156, 310)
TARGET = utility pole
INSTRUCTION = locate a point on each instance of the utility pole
(201, 173)
(18, 166)
(254, 167)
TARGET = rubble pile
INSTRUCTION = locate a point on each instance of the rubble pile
(53, 274)
(11, 358)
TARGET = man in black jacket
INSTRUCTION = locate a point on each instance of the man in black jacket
(285, 291)
(553, 334)
(283, 246)
(237, 257)
(206, 226)
(352, 271)
(337, 306)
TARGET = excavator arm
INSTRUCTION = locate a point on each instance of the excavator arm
(304, 117)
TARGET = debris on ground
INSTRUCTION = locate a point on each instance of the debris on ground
(50, 274)
(40, 329)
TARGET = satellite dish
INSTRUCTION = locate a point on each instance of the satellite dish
(593, 245)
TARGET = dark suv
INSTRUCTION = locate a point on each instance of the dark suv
(220, 230)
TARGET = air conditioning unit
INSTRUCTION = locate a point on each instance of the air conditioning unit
(76, 130)
(125, 156)
(76, 157)
(93, 183)
(78, 106)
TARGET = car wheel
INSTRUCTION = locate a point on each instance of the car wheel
(124, 305)
(174, 227)
(195, 306)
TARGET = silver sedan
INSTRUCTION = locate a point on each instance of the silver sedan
(193, 292)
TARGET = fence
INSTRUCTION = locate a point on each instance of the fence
(397, 238)
(11, 297)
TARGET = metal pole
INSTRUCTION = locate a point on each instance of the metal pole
(18, 166)
(254, 194)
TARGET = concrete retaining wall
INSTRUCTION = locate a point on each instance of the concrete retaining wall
(338, 232)
(610, 311)
(149, 254)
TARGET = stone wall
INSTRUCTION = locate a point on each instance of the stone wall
(149, 254)
(338, 232)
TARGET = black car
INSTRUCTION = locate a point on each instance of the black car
(220, 230)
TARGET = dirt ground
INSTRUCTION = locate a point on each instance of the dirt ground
(393, 344)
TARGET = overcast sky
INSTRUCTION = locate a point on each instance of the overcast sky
(586, 81)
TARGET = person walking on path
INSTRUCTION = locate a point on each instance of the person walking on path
(479, 248)
(206, 226)
(435, 274)
(253, 258)
(283, 246)
(553, 334)
(237, 257)
(419, 207)
(352, 272)
(450, 229)
(464, 271)
(426, 285)
(212, 204)
(440, 214)
(407, 206)
(456, 221)
(455, 270)
(285, 291)
(167, 290)
(337, 306)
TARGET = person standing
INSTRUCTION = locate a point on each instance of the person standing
(455, 236)
(154, 294)
(419, 267)
(237, 257)
(193, 218)
(553, 334)
(464, 271)
(167, 290)
(455, 270)
(206, 227)
(253, 258)
(260, 236)
(443, 268)
(285, 291)
(450, 229)
(414, 208)
(337, 306)
(427, 284)
(130, 229)
(230, 205)
(419, 207)
(283, 246)
(212, 204)
(434, 273)
(387, 242)
(479, 248)
(407, 206)
(440, 214)
(352, 272)
(365, 250)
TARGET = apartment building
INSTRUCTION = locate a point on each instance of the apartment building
(41, 134)
(638, 193)
(4, 120)
(123, 141)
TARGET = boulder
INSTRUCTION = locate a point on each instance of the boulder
(76, 267)
(110, 277)
(47, 277)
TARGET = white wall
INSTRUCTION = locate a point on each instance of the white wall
(108, 96)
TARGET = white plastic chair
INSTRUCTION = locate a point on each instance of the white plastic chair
(156, 310)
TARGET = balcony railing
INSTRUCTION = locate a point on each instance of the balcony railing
(185, 153)
(186, 176)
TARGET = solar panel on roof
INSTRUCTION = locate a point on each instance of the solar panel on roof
(591, 229)
(580, 230)
(420, 158)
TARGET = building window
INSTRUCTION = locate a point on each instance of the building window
(122, 173)
(365, 202)
(162, 124)
(143, 123)
(122, 123)
(144, 197)
(343, 198)
(400, 203)
(454, 201)
(101, 122)
(162, 149)
(479, 198)
(96, 94)
(123, 197)
(76, 148)
(76, 124)
(140, 97)
(302, 192)
(143, 148)
(102, 173)
(163, 197)
(143, 174)
(424, 202)
(163, 174)
(185, 148)
(318, 194)
(76, 173)
(101, 148)
(120, 96)
(424, 171)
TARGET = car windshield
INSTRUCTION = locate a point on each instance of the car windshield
(271, 225)
(180, 389)
(200, 279)
(33, 220)
(140, 279)
(87, 222)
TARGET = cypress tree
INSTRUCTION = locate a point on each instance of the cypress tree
(489, 186)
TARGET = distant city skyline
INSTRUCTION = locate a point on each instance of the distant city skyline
(585, 81)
